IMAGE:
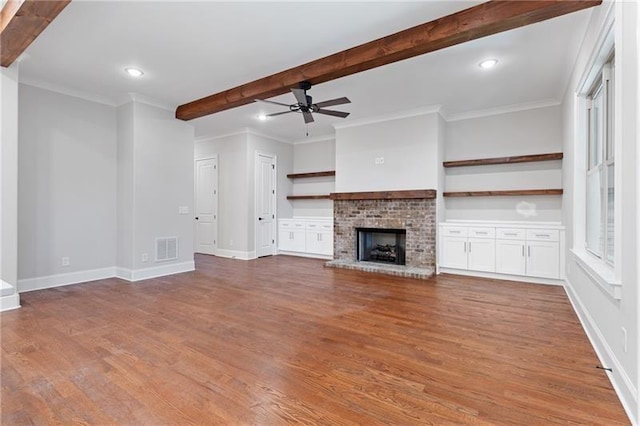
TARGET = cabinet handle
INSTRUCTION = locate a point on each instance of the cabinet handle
(481, 232)
(469, 246)
(454, 232)
(465, 246)
(513, 234)
(543, 235)
(529, 251)
(523, 250)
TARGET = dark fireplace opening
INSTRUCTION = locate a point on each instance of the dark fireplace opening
(381, 245)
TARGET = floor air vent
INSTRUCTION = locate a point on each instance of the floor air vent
(166, 249)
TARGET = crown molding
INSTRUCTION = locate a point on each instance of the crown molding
(435, 109)
(503, 110)
(143, 99)
(314, 139)
(209, 138)
(252, 131)
(51, 87)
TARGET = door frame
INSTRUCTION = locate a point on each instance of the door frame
(195, 203)
(274, 199)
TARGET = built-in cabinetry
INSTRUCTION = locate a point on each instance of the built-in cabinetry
(523, 249)
(306, 237)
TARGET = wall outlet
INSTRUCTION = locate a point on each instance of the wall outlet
(624, 339)
(183, 210)
(66, 261)
(145, 257)
(379, 160)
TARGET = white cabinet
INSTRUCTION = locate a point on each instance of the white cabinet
(526, 251)
(472, 248)
(306, 237)
(481, 254)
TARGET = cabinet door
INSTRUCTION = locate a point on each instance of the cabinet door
(453, 253)
(510, 257)
(543, 259)
(320, 242)
(285, 237)
(481, 254)
(298, 242)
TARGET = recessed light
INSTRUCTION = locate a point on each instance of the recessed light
(262, 117)
(134, 72)
(488, 63)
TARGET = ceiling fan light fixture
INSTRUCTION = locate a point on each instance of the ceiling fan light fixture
(488, 63)
(262, 117)
(134, 72)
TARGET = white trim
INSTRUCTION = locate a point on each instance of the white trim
(236, 254)
(59, 280)
(56, 88)
(497, 276)
(310, 255)
(6, 289)
(389, 117)
(9, 302)
(243, 131)
(622, 384)
(146, 100)
(156, 271)
(605, 42)
(599, 272)
(252, 131)
(503, 110)
(323, 138)
(123, 273)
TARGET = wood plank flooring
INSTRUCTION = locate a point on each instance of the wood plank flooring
(284, 340)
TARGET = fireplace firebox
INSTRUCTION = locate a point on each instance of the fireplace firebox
(381, 245)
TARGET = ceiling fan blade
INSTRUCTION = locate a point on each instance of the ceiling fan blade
(278, 113)
(338, 101)
(308, 118)
(332, 112)
(271, 102)
(301, 97)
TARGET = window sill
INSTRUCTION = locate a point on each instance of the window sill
(601, 273)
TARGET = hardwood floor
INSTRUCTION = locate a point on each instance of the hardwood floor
(284, 340)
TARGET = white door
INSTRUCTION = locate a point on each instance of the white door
(543, 259)
(454, 252)
(206, 214)
(265, 205)
(510, 257)
(482, 254)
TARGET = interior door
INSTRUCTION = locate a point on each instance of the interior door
(265, 205)
(206, 214)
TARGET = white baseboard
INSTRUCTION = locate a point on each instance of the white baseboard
(236, 254)
(49, 281)
(9, 302)
(154, 272)
(311, 255)
(497, 276)
(627, 392)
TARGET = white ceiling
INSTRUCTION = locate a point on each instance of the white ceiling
(189, 50)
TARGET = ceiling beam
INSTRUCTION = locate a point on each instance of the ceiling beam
(479, 21)
(21, 21)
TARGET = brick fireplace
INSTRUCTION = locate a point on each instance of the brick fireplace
(413, 211)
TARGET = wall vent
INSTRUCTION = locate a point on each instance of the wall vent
(166, 249)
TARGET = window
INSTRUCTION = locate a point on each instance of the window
(600, 178)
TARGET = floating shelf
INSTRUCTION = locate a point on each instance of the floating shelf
(311, 175)
(503, 193)
(505, 160)
(309, 197)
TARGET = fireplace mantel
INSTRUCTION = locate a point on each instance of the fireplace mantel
(386, 195)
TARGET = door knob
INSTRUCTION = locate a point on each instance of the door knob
(196, 217)
(259, 218)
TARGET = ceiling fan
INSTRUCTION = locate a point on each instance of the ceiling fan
(306, 106)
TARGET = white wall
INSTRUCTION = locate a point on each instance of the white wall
(284, 156)
(408, 145)
(9, 89)
(236, 179)
(67, 184)
(603, 316)
(317, 156)
(533, 131)
(233, 193)
(163, 181)
(125, 194)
